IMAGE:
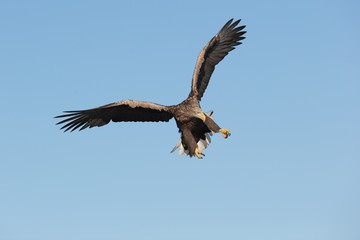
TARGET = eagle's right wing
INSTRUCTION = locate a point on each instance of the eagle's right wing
(123, 111)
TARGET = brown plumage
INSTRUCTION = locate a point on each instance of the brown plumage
(193, 124)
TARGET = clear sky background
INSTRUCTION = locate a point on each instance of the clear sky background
(289, 95)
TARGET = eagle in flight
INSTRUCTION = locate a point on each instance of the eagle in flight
(194, 125)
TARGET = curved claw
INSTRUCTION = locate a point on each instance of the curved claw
(198, 152)
(225, 132)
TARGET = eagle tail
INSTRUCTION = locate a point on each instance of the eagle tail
(202, 144)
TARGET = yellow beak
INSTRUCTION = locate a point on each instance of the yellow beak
(202, 116)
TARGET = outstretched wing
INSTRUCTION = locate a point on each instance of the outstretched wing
(218, 47)
(124, 111)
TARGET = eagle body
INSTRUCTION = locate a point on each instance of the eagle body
(187, 110)
(195, 126)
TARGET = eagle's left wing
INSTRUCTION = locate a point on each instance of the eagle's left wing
(218, 47)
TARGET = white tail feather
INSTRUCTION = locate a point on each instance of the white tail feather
(176, 146)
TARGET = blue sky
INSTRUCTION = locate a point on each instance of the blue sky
(289, 95)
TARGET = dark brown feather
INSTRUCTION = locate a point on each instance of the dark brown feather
(124, 111)
(218, 47)
(199, 132)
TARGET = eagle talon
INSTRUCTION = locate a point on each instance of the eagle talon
(225, 132)
(198, 152)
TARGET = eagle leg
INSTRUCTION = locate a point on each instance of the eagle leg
(215, 128)
(225, 132)
(198, 152)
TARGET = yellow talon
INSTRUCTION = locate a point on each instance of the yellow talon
(226, 133)
(198, 152)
